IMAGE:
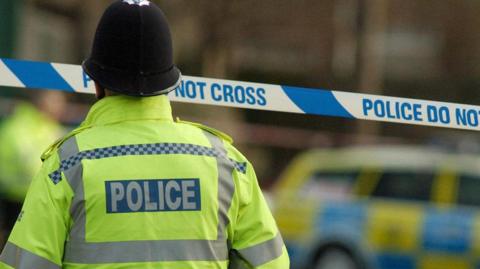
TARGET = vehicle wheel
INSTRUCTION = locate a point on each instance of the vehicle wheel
(335, 258)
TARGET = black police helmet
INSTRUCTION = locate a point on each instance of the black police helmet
(132, 52)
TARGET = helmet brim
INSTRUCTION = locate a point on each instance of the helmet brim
(133, 84)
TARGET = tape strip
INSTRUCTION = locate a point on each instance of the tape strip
(249, 95)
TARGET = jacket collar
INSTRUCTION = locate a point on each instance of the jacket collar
(115, 109)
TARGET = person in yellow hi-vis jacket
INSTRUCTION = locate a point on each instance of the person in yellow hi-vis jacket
(131, 187)
(23, 136)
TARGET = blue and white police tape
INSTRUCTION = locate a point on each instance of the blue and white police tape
(249, 95)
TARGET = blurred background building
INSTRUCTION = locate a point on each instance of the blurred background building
(419, 49)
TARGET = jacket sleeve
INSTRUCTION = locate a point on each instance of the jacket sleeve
(37, 239)
(257, 243)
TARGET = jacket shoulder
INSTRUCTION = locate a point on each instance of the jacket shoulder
(211, 130)
(55, 146)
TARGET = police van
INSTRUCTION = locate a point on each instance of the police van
(381, 207)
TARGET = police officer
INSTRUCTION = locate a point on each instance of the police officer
(23, 137)
(131, 188)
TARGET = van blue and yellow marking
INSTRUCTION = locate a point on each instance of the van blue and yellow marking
(397, 235)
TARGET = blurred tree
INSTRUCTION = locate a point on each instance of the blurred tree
(8, 14)
(9, 11)
(372, 21)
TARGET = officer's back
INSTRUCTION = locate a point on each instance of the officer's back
(131, 188)
(162, 189)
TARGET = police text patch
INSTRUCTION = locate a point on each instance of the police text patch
(130, 196)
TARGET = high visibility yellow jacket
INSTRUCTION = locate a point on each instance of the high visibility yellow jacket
(131, 188)
(23, 137)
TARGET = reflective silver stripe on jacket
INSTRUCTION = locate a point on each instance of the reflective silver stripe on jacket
(264, 252)
(19, 258)
(226, 186)
(77, 250)
(74, 177)
(146, 251)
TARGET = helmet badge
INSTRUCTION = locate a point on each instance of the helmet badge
(137, 2)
